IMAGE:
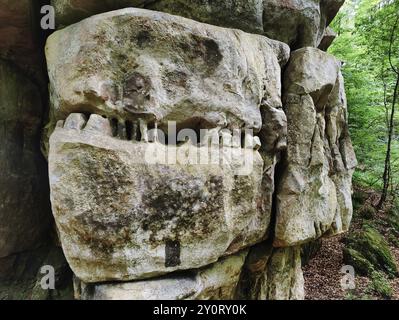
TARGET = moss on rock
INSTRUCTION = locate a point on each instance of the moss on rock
(358, 261)
(368, 244)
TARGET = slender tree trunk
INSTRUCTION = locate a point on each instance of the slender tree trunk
(391, 125)
(387, 167)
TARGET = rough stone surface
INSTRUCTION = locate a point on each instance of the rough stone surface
(135, 62)
(327, 40)
(201, 77)
(71, 11)
(24, 205)
(121, 217)
(272, 274)
(284, 275)
(215, 282)
(298, 23)
(245, 15)
(314, 192)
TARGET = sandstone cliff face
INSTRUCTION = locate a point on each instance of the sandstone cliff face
(219, 206)
(296, 22)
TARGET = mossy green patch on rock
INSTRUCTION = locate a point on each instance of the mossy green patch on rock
(358, 261)
(368, 244)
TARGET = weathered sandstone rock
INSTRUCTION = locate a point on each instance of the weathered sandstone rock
(327, 40)
(71, 11)
(186, 219)
(24, 205)
(215, 282)
(123, 214)
(271, 274)
(241, 14)
(129, 219)
(135, 62)
(17, 37)
(314, 194)
(284, 275)
(298, 23)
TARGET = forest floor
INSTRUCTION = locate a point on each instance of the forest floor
(323, 273)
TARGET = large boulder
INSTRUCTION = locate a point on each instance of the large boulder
(124, 214)
(24, 204)
(367, 251)
(215, 282)
(121, 217)
(241, 14)
(71, 11)
(298, 23)
(139, 63)
(314, 191)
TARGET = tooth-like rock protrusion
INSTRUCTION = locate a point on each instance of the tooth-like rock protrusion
(75, 121)
(98, 125)
(226, 138)
(60, 124)
(155, 133)
(122, 130)
(212, 137)
(135, 131)
(236, 142)
(252, 142)
(143, 130)
(257, 143)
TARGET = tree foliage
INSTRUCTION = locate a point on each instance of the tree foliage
(368, 44)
